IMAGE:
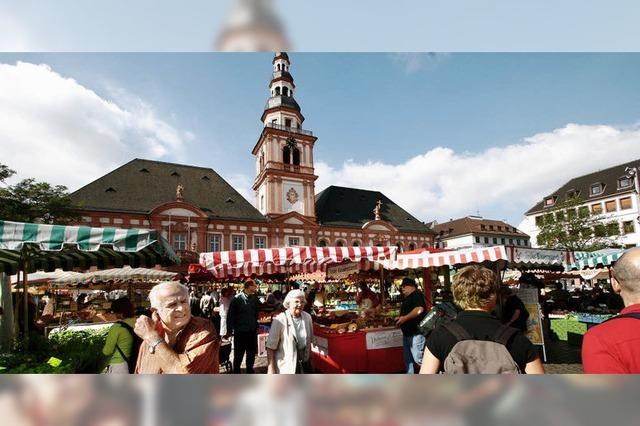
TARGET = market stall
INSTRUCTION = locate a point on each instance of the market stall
(345, 341)
(30, 247)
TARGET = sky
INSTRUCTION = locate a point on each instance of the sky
(330, 25)
(443, 135)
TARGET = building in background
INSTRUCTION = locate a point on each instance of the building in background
(609, 193)
(252, 26)
(475, 231)
(198, 211)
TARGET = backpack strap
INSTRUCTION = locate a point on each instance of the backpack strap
(122, 354)
(127, 327)
(504, 334)
(457, 330)
(635, 315)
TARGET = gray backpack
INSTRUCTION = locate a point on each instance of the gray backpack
(470, 356)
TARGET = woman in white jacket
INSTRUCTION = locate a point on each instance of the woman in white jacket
(289, 341)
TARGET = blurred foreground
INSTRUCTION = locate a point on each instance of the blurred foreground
(319, 400)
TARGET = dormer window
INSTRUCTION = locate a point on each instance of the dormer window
(205, 178)
(143, 170)
(176, 174)
(572, 193)
(624, 182)
(596, 189)
(110, 189)
(549, 201)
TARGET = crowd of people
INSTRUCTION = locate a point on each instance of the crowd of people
(182, 335)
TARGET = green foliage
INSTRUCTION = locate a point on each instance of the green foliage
(72, 352)
(33, 201)
(562, 228)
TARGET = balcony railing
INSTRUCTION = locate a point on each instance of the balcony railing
(290, 129)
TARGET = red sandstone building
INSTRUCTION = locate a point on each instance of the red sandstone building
(197, 210)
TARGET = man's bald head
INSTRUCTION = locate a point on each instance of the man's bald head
(626, 271)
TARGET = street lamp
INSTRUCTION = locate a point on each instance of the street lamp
(632, 173)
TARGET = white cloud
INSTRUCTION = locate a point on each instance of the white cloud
(443, 184)
(56, 130)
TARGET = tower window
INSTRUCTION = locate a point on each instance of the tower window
(287, 122)
(277, 91)
(286, 155)
(296, 157)
(285, 91)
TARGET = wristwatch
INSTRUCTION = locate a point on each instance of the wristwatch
(152, 346)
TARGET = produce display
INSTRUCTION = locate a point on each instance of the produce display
(340, 322)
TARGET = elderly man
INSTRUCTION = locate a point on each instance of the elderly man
(173, 340)
(614, 346)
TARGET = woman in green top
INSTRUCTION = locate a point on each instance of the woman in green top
(119, 342)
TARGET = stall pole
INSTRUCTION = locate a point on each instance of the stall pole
(446, 273)
(428, 287)
(382, 289)
(26, 304)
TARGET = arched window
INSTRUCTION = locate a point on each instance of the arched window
(339, 243)
(322, 243)
(277, 91)
(296, 157)
(355, 243)
(285, 91)
(261, 161)
(412, 246)
(400, 248)
(279, 67)
(286, 155)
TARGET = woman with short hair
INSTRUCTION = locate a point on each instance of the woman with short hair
(289, 341)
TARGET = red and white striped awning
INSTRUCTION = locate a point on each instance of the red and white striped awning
(295, 260)
(450, 258)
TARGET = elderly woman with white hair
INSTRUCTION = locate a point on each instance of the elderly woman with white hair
(289, 341)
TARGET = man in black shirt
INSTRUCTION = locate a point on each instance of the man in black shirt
(514, 313)
(242, 320)
(413, 309)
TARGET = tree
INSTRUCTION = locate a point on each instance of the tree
(569, 225)
(33, 201)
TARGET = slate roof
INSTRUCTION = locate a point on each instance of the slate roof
(469, 225)
(609, 177)
(141, 185)
(350, 207)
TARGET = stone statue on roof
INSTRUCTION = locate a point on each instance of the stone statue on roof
(180, 193)
(377, 209)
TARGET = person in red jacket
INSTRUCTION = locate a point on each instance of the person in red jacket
(613, 347)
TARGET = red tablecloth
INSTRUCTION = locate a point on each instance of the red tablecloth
(348, 353)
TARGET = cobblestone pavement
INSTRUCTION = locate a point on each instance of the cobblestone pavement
(563, 358)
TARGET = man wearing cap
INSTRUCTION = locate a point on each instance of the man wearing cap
(412, 311)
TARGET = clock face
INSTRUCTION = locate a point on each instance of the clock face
(292, 196)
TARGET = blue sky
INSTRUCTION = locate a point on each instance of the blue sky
(330, 25)
(444, 135)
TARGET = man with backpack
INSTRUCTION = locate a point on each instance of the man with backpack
(613, 347)
(476, 342)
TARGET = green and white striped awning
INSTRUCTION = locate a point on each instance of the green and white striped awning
(50, 247)
(596, 259)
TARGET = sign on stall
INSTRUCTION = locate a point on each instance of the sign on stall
(342, 271)
(384, 339)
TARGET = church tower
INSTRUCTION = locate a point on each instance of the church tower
(285, 178)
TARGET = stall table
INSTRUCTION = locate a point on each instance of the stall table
(362, 351)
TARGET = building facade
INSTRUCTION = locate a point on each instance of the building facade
(611, 194)
(198, 211)
(476, 232)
